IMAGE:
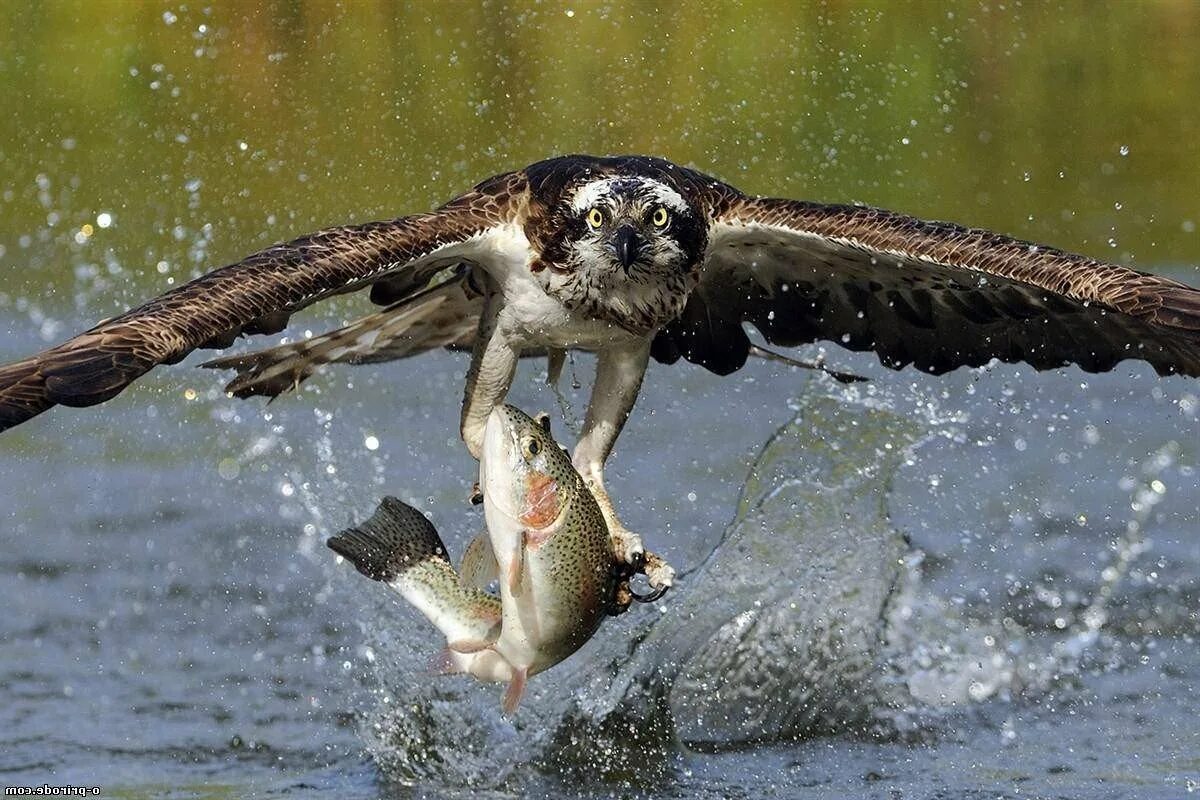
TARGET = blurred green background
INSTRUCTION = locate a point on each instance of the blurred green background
(207, 130)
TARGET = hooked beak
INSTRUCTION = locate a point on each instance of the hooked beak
(627, 245)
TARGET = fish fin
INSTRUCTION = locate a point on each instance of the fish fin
(396, 538)
(479, 567)
(470, 645)
(516, 569)
(515, 691)
(443, 662)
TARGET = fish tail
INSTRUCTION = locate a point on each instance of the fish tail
(395, 539)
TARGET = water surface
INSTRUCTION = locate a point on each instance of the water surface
(176, 628)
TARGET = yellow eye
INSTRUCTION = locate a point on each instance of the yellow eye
(595, 219)
(660, 217)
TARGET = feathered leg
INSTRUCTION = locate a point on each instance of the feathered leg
(493, 366)
(619, 373)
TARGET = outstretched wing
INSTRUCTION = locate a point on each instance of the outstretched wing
(259, 293)
(931, 294)
(446, 314)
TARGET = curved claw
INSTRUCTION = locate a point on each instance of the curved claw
(640, 563)
(653, 596)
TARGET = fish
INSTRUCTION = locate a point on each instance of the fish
(557, 569)
(546, 545)
(401, 548)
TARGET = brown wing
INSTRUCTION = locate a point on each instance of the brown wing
(931, 294)
(256, 295)
(446, 314)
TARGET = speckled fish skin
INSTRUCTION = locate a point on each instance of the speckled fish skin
(551, 544)
(552, 547)
(400, 547)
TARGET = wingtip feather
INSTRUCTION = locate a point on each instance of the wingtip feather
(1180, 308)
(22, 393)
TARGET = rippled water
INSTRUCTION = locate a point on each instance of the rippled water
(979, 585)
(173, 626)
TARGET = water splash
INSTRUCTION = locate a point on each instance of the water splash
(775, 635)
(809, 617)
(945, 658)
(1147, 491)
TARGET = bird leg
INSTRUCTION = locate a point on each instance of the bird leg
(619, 373)
(555, 360)
(493, 366)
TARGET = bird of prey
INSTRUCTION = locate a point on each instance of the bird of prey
(631, 258)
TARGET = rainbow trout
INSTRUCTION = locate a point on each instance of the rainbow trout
(552, 557)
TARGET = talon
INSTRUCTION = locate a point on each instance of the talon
(628, 549)
(476, 496)
(653, 596)
(659, 574)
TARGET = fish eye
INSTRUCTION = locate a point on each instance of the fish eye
(532, 447)
(660, 217)
(595, 218)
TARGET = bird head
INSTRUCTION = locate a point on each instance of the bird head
(618, 244)
(631, 227)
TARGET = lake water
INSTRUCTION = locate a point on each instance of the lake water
(175, 626)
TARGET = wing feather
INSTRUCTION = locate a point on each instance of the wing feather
(931, 294)
(444, 315)
(257, 295)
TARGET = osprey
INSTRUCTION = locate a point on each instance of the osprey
(632, 258)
